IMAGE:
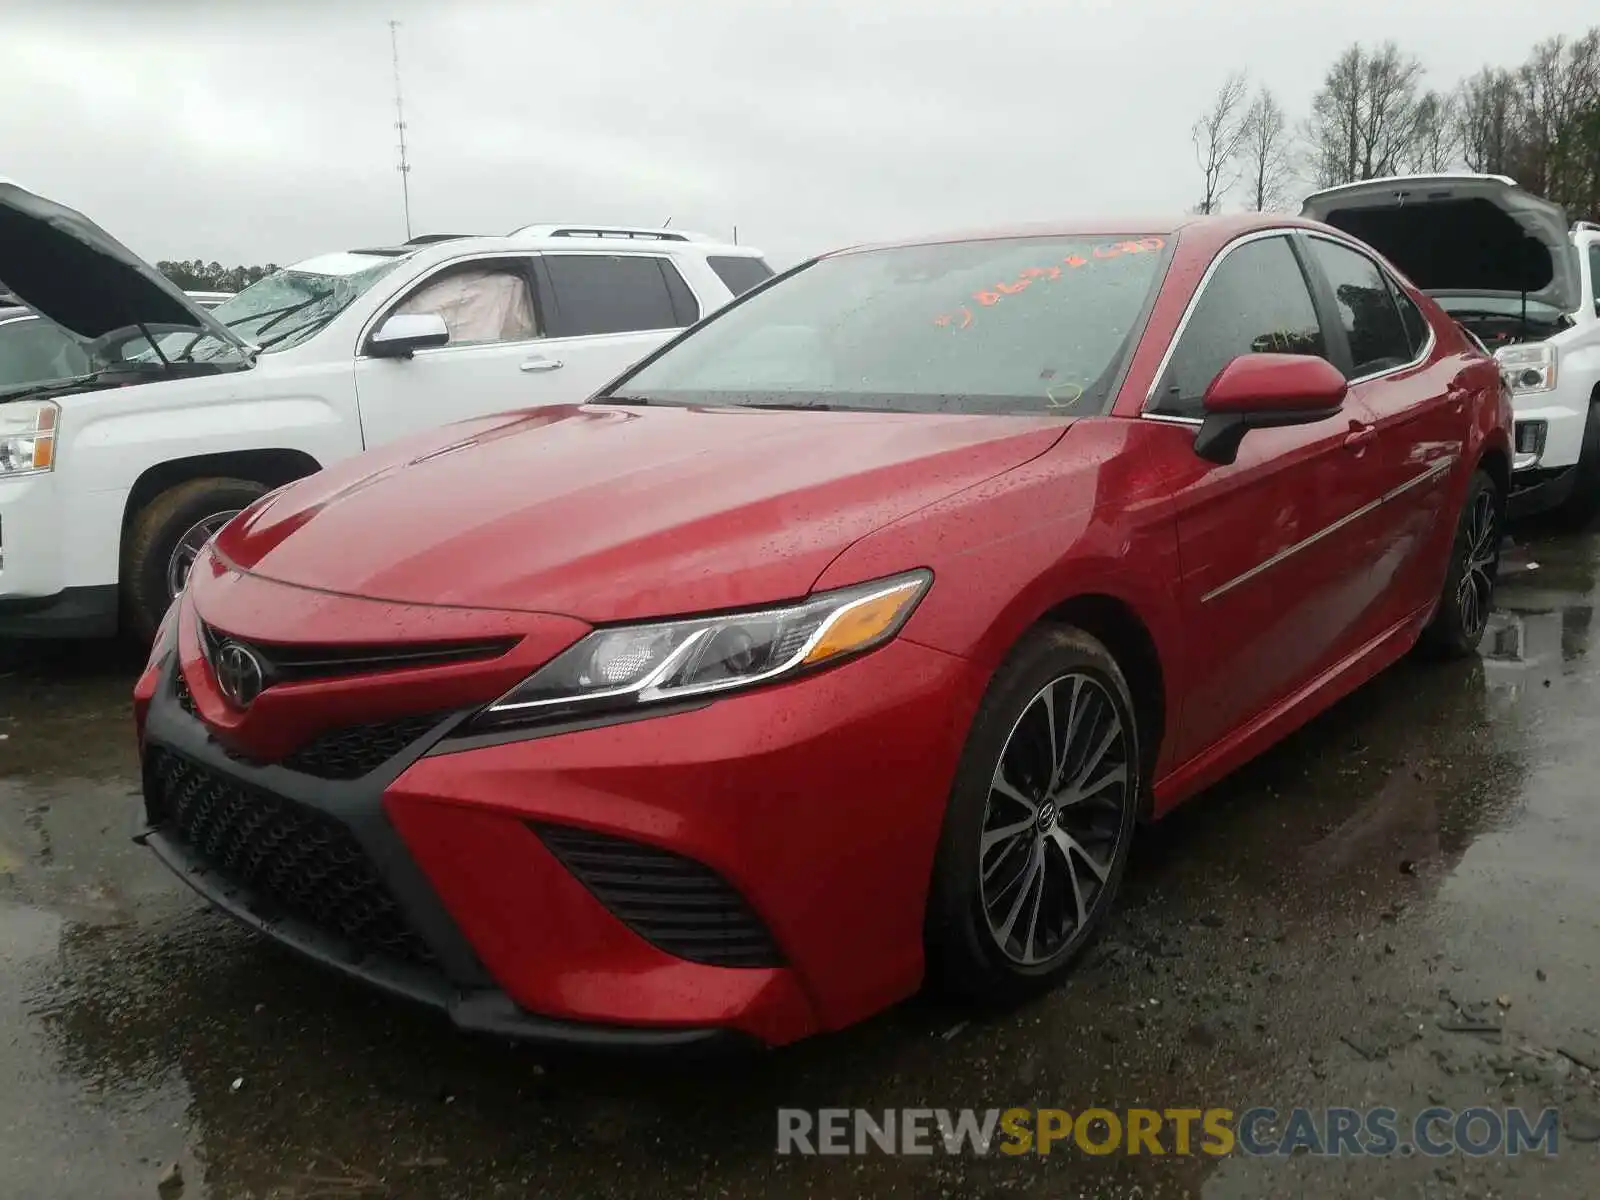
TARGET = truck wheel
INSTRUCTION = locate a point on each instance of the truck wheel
(1583, 505)
(164, 538)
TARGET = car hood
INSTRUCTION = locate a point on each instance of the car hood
(63, 265)
(1461, 233)
(609, 513)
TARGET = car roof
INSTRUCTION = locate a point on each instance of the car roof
(567, 238)
(1218, 228)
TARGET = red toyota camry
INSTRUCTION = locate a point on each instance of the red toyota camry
(840, 644)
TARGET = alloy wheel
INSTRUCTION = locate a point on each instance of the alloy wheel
(1475, 592)
(189, 546)
(1053, 823)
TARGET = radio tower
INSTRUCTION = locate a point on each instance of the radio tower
(400, 124)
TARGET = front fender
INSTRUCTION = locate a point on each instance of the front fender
(1086, 519)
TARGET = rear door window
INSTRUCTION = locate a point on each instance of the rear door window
(1379, 339)
(1257, 302)
(739, 273)
(615, 293)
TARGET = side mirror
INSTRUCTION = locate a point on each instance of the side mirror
(403, 334)
(1266, 391)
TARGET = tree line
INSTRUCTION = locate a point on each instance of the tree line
(199, 276)
(1375, 115)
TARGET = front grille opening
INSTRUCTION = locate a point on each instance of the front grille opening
(675, 903)
(356, 750)
(292, 857)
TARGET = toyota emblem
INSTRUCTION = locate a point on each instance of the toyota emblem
(239, 674)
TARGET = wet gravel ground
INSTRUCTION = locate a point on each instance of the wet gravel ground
(1324, 929)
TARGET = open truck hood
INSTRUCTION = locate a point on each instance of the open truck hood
(64, 266)
(1473, 234)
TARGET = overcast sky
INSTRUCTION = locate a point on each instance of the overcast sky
(247, 132)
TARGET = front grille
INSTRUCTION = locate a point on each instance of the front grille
(285, 663)
(355, 750)
(291, 856)
(679, 905)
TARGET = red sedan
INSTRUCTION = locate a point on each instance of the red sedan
(840, 644)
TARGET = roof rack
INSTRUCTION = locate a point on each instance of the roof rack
(625, 232)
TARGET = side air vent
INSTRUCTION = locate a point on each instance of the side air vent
(678, 905)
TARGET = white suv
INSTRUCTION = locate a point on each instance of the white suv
(107, 491)
(1506, 266)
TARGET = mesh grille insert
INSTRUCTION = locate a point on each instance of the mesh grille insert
(355, 750)
(296, 858)
(678, 905)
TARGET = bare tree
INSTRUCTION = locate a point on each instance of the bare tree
(1488, 121)
(1436, 135)
(1363, 121)
(1560, 89)
(1264, 153)
(1218, 133)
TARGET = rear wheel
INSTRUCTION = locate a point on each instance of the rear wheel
(165, 538)
(1040, 820)
(1468, 597)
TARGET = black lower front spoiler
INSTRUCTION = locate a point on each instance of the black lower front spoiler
(480, 1010)
(1549, 491)
(81, 612)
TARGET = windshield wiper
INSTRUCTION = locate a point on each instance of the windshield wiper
(782, 407)
(637, 401)
(277, 314)
(314, 323)
(46, 387)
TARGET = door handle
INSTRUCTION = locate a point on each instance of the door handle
(541, 364)
(1360, 437)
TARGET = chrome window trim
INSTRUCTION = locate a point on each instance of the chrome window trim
(1430, 472)
(1421, 356)
(1258, 235)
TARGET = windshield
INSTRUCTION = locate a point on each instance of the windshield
(285, 308)
(1014, 325)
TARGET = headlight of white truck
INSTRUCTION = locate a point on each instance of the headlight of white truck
(1529, 368)
(28, 437)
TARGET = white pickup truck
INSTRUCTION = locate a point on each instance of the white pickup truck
(1505, 264)
(112, 479)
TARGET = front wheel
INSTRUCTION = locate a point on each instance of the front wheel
(1463, 614)
(165, 538)
(1040, 820)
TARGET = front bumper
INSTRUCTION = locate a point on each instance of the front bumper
(818, 802)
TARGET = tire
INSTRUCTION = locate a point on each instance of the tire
(1459, 622)
(1582, 505)
(178, 515)
(970, 951)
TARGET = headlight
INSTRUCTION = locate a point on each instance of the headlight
(28, 436)
(1530, 368)
(630, 667)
